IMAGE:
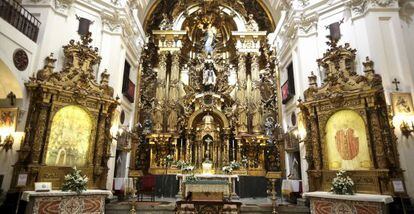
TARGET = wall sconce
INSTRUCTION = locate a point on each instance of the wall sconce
(7, 143)
(406, 129)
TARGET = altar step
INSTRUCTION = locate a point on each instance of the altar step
(282, 209)
(251, 206)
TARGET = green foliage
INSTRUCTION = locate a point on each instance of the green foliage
(232, 166)
(75, 182)
(184, 166)
(191, 178)
(235, 165)
(342, 184)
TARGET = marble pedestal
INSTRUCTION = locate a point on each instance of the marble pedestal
(91, 201)
(327, 203)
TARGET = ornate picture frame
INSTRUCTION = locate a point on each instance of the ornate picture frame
(402, 103)
(8, 118)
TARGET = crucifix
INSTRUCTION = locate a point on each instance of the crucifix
(396, 82)
(208, 141)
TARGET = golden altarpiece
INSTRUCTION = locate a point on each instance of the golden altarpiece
(209, 89)
(348, 126)
(68, 120)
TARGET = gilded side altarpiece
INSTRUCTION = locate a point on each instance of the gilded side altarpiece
(348, 125)
(68, 120)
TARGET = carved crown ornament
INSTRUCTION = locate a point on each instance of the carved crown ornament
(339, 68)
(78, 71)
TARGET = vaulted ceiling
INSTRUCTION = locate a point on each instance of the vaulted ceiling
(147, 8)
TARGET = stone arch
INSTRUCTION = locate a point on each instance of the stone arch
(266, 5)
(9, 82)
(214, 112)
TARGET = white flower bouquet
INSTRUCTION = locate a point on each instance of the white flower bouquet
(75, 182)
(342, 184)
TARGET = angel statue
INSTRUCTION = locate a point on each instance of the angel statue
(251, 24)
(209, 37)
(165, 23)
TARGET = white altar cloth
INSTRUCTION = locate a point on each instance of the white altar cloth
(386, 199)
(230, 178)
(56, 193)
(208, 176)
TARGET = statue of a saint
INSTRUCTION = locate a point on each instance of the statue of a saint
(251, 24)
(172, 121)
(209, 37)
(294, 170)
(269, 126)
(165, 23)
(209, 77)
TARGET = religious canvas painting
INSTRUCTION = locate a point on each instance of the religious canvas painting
(402, 103)
(346, 142)
(69, 137)
(8, 118)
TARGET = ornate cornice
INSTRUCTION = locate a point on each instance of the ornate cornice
(307, 24)
(406, 10)
(359, 7)
(63, 6)
(111, 22)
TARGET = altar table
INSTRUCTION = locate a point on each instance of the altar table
(90, 201)
(209, 188)
(228, 191)
(327, 203)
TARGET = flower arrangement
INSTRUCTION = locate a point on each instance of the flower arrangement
(184, 166)
(227, 169)
(244, 161)
(187, 168)
(191, 178)
(169, 159)
(235, 165)
(342, 184)
(232, 166)
(75, 182)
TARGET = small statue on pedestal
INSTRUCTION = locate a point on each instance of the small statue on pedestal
(166, 23)
(209, 77)
(251, 24)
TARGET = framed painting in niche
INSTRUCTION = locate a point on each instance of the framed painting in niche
(286, 95)
(8, 120)
(402, 103)
(347, 142)
(69, 138)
